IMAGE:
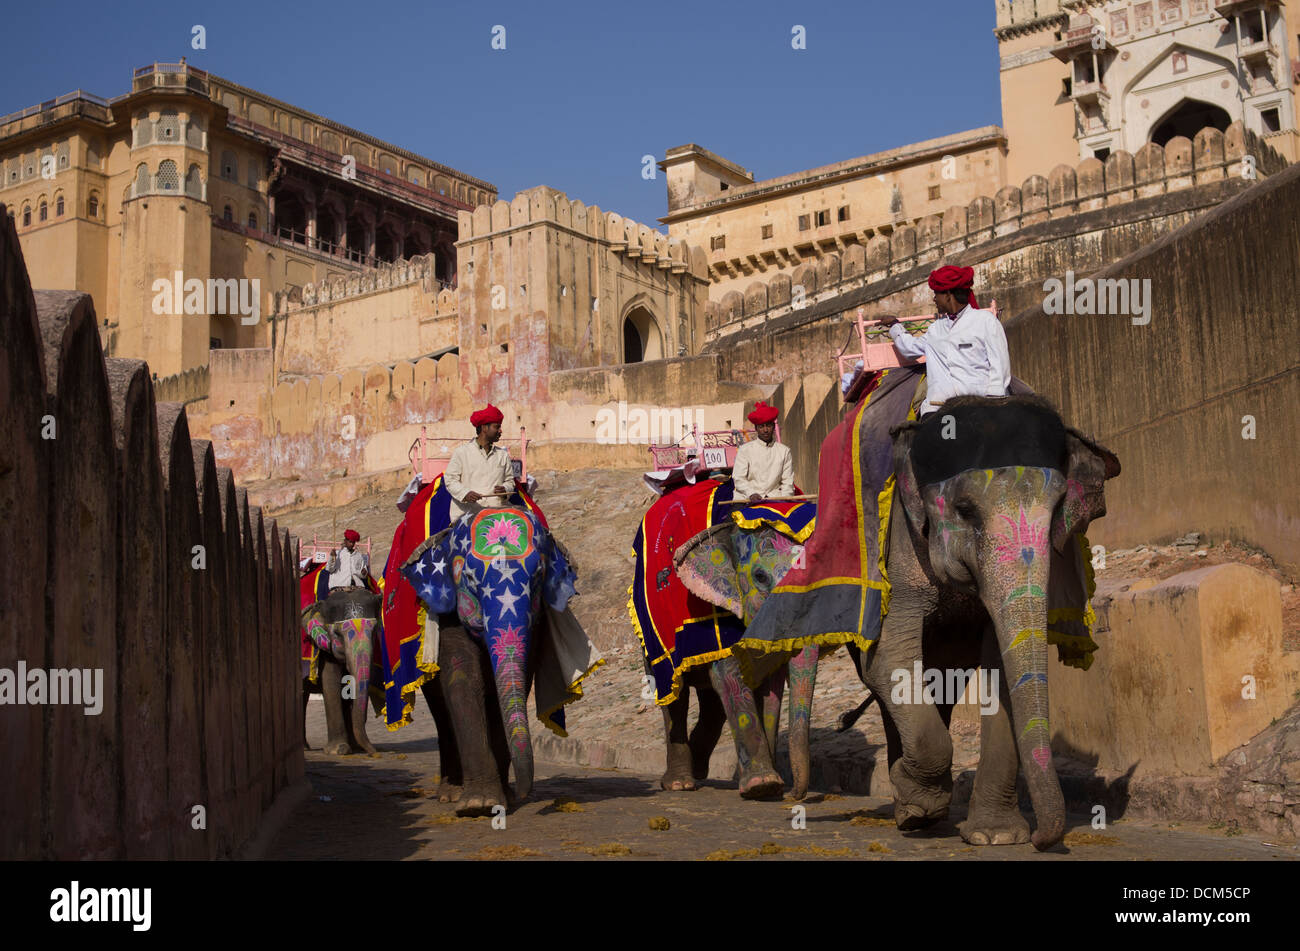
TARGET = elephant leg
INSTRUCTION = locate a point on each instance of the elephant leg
(331, 688)
(461, 660)
(360, 743)
(994, 816)
(758, 777)
(920, 753)
(708, 730)
(679, 775)
(802, 672)
(452, 780)
(768, 701)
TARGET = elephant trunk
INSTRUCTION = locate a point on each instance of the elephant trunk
(1018, 606)
(510, 662)
(358, 635)
(802, 676)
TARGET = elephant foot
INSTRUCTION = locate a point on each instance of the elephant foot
(994, 827)
(910, 816)
(448, 791)
(765, 785)
(338, 748)
(479, 799)
(363, 745)
(675, 781)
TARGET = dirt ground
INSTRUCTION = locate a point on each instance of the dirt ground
(378, 807)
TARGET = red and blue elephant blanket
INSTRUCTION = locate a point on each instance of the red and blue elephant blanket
(677, 629)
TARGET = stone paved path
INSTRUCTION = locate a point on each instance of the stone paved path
(377, 808)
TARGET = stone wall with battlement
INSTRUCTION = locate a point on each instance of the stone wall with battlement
(546, 283)
(1124, 183)
(190, 386)
(380, 315)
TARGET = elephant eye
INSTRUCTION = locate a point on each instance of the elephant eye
(762, 577)
(966, 509)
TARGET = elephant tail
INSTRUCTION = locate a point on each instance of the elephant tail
(850, 717)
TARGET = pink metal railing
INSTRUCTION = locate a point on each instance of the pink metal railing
(881, 355)
(429, 467)
(318, 549)
(714, 449)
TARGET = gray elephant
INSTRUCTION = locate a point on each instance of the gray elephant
(499, 585)
(987, 564)
(735, 567)
(344, 627)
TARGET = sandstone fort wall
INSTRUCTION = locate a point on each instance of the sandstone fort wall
(141, 559)
(1064, 207)
(1172, 398)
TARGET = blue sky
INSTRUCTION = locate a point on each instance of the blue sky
(582, 90)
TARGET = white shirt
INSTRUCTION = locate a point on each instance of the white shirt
(473, 470)
(762, 469)
(346, 567)
(964, 355)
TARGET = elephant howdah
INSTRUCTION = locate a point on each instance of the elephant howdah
(966, 549)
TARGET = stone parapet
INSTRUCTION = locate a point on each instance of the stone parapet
(1183, 164)
(1188, 669)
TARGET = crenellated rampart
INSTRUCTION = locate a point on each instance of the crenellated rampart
(191, 386)
(159, 607)
(991, 224)
(379, 315)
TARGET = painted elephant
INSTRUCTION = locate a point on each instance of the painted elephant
(987, 564)
(344, 626)
(735, 568)
(499, 585)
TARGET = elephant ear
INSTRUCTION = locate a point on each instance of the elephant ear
(909, 493)
(561, 572)
(428, 569)
(706, 565)
(1088, 466)
(314, 627)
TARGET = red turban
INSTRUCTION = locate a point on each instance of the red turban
(763, 413)
(488, 414)
(351, 536)
(949, 278)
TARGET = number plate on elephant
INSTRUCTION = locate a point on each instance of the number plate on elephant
(716, 457)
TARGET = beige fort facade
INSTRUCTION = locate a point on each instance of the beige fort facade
(195, 174)
(1079, 80)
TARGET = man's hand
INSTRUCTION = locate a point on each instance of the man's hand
(888, 320)
(333, 552)
(755, 497)
(472, 496)
(499, 490)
